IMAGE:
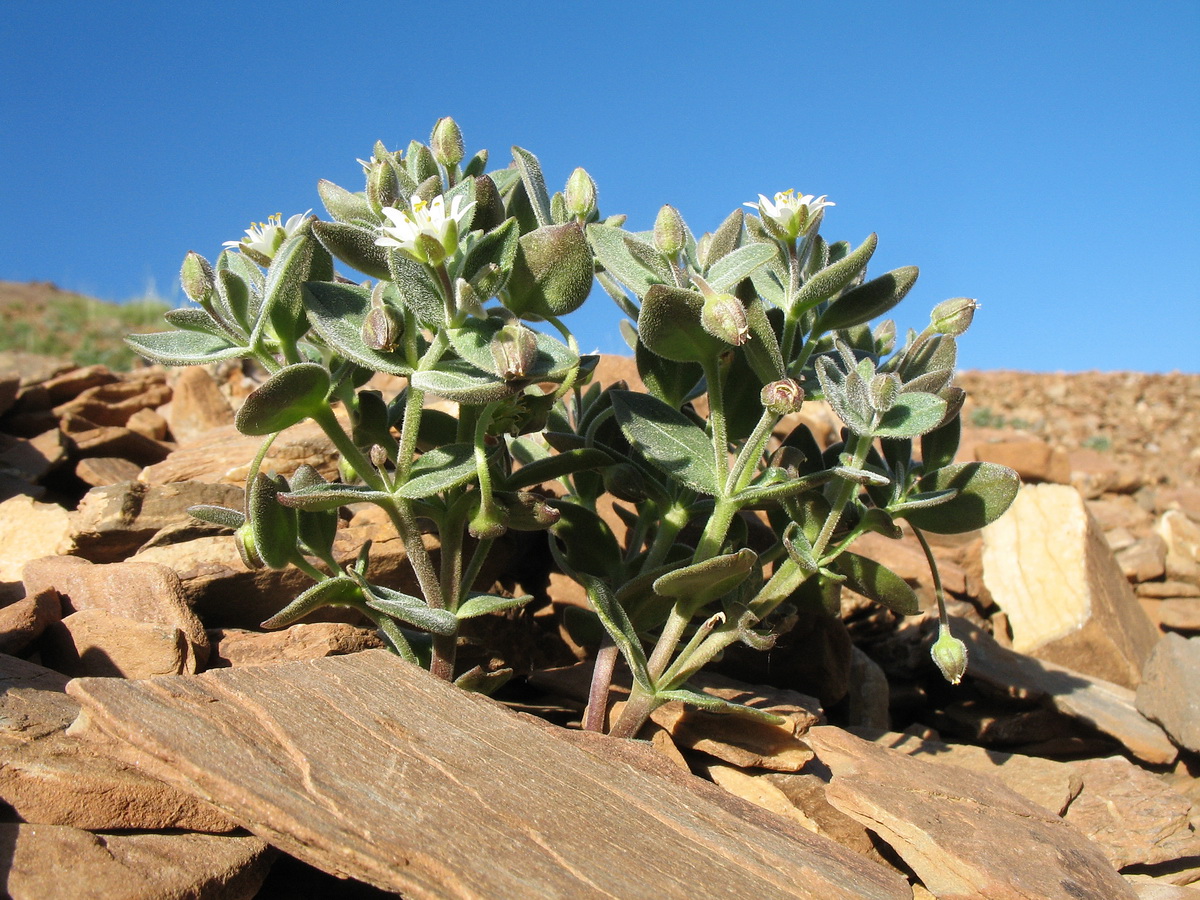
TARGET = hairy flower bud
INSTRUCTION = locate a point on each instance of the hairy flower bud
(953, 317)
(197, 276)
(580, 195)
(383, 187)
(884, 389)
(489, 522)
(669, 231)
(447, 142)
(383, 326)
(514, 348)
(783, 396)
(723, 316)
(950, 654)
(244, 539)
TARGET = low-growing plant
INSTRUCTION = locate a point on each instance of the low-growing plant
(468, 275)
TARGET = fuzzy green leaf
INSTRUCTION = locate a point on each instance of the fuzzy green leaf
(473, 342)
(911, 415)
(831, 279)
(707, 580)
(337, 312)
(985, 491)
(482, 604)
(462, 382)
(343, 205)
(330, 495)
(716, 705)
(608, 243)
(588, 544)
(726, 272)
(184, 348)
(355, 246)
(667, 439)
(410, 610)
(417, 290)
(217, 515)
(535, 185)
(439, 470)
(340, 591)
(867, 301)
(878, 583)
(669, 325)
(551, 467)
(289, 396)
(272, 525)
(620, 629)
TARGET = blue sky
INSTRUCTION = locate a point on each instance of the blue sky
(1040, 157)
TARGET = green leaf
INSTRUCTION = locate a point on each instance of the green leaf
(704, 581)
(282, 303)
(831, 279)
(721, 707)
(620, 629)
(911, 415)
(669, 325)
(462, 382)
(355, 246)
(438, 470)
(498, 247)
(939, 447)
(667, 439)
(410, 610)
(337, 312)
(272, 525)
(551, 467)
(184, 348)
(608, 243)
(482, 604)
(867, 301)
(552, 272)
(878, 583)
(671, 382)
(340, 591)
(331, 495)
(535, 185)
(217, 515)
(985, 491)
(726, 272)
(343, 205)
(289, 396)
(588, 544)
(473, 342)
(418, 292)
(724, 240)
(193, 318)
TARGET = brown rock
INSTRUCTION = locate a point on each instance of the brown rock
(757, 789)
(1168, 693)
(1182, 537)
(225, 456)
(95, 642)
(112, 522)
(32, 459)
(10, 383)
(42, 861)
(88, 439)
(197, 405)
(1144, 560)
(1047, 565)
(964, 835)
(806, 792)
(101, 471)
(1134, 816)
(22, 622)
(1180, 614)
(1167, 590)
(141, 591)
(1033, 459)
(236, 647)
(29, 529)
(70, 384)
(339, 759)
(149, 423)
(113, 404)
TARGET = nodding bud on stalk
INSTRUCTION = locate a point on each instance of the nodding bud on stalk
(379, 456)
(580, 195)
(953, 317)
(950, 654)
(668, 231)
(489, 522)
(247, 549)
(447, 142)
(722, 315)
(197, 277)
(514, 348)
(383, 326)
(783, 396)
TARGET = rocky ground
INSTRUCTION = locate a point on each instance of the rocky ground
(1063, 766)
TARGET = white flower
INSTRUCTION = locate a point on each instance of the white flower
(427, 234)
(264, 238)
(793, 215)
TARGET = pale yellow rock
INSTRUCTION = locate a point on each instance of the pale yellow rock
(1182, 537)
(1048, 566)
(29, 530)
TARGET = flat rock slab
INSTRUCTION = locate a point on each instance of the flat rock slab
(369, 767)
(963, 834)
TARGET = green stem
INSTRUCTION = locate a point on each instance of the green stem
(943, 616)
(309, 569)
(743, 468)
(358, 461)
(844, 494)
(715, 378)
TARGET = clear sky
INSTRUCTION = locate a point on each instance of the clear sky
(1039, 156)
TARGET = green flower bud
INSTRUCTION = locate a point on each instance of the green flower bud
(783, 396)
(884, 337)
(247, 549)
(723, 316)
(950, 654)
(197, 277)
(420, 162)
(383, 326)
(580, 195)
(514, 348)
(669, 231)
(383, 187)
(447, 142)
(490, 522)
(953, 317)
(884, 389)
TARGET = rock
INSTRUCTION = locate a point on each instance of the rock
(1047, 565)
(197, 405)
(369, 767)
(143, 592)
(112, 522)
(95, 642)
(1182, 537)
(22, 622)
(1167, 590)
(29, 529)
(964, 835)
(51, 779)
(148, 423)
(1180, 614)
(113, 404)
(1149, 889)
(70, 384)
(34, 458)
(42, 861)
(1134, 817)
(1032, 458)
(1049, 784)
(225, 455)
(10, 383)
(89, 439)
(1107, 707)
(1170, 690)
(869, 692)
(1144, 560)
(101, 471)
(757, 789)
(235, 647)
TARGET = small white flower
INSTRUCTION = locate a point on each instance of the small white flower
(264, 238)
(793, 214)
(427, 234)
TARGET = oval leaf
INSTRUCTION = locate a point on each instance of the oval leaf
(707, 580)
(867, 301)
(878, 583)
(337, 312)
(669, 325)
(911, 415)
(482, 604)
(289, 396)
(438, 470)
(985, 491)
(667, 439)
(462, 382)
(184, 348)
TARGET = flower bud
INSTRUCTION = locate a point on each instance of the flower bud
(489, 522)
(527, 511)
(197, 276)
(580, 195)
(247, 549)
(950, 654)
(723, 316)
(884, 337)
(378, 455)
(669, 231)
(783, 396)
(383, 188)
(884, 389)
(514, 348)
(953, 317)
(383, 326)
(447, 142)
